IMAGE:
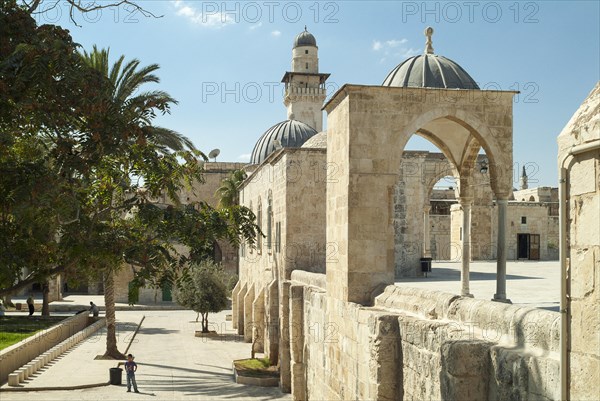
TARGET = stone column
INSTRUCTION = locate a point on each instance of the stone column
(465, 204)
(426, 240)
(500, 294)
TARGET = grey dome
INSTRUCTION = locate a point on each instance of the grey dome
(291, 134)
(305, 38)
(318, 141)
(430, 71)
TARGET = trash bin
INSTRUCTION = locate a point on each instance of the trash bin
(116, 375)
(426, 265)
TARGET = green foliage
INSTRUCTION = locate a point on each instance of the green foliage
(203, 290)
(228, 192)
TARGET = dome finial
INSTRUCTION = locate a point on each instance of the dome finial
(428, 44)
(305, 28)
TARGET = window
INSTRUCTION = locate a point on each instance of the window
(278, 237)
(252, 247)
(259, 224)
(305, 51)
(460, 235)
(523, 220)
(269, 222)
(307, 66)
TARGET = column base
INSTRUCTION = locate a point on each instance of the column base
(502, 299)
(469, 295)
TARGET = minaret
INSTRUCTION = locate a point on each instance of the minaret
(523, 180)
(304, 86)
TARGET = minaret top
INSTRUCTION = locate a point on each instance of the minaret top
(428, 43)
(305, 38)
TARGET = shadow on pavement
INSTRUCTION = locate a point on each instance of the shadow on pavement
(447, 274)
(206, 383)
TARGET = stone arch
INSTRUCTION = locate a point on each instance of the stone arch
(480, 131)
(368, 129)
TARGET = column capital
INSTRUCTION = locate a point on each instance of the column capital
(426, 208)
(465, 200)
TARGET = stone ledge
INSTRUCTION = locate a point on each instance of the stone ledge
(318, 280)
(254, 381)
(502, 323)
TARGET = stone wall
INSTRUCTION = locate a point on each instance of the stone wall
(419, 172)
(19, 354)
(539, 220)
(582, 253)
(415, 344)
(292, 182)
(440, 237)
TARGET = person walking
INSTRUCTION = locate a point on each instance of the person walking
(130, 369)
(30, 305)
(94, 309)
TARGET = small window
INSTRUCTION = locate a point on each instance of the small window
(259, 224)
(523, 220)
(278, 237)
(460, 235)
(269, 223)
(307, 66)
(305, 51)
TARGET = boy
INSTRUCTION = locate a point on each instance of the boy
(130, 368)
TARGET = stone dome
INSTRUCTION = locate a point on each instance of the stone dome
(318, 141)
(305, 38)
(289, 133)
(430, 71)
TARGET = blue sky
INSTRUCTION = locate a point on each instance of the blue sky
(223, 60)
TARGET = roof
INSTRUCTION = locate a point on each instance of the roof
(305, 38)
(286, 134)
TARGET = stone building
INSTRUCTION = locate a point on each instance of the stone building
(532, 215)
(338, 208)
(579, 167)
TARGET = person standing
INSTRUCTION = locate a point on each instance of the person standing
(2, 308)
(130, 369)
(30, 305)
(94, 309)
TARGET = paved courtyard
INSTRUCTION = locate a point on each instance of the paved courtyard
(173, 364)
(535, 284)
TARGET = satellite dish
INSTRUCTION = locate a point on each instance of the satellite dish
(277, 144)
(213, 154)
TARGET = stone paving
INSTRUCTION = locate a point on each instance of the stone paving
(173, 364)
(535, 284)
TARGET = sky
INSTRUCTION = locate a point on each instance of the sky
(223, 61)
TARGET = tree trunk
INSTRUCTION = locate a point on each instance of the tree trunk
(8, 300)
(197, 316)
(45, 303)
(109, 303)
(205, 322)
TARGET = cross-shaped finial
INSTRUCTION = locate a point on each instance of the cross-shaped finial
(428, 44)
(306, 30)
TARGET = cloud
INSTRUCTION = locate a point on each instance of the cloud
(214, 19)
(396, 42)
(255, 26)
(245, 157)
(276, 33)
(394, 48)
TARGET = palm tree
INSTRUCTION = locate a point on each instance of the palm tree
(129, 123)
(228, 192)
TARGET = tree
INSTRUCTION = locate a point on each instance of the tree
(228, 192)
(203, 290)
(130, 152)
